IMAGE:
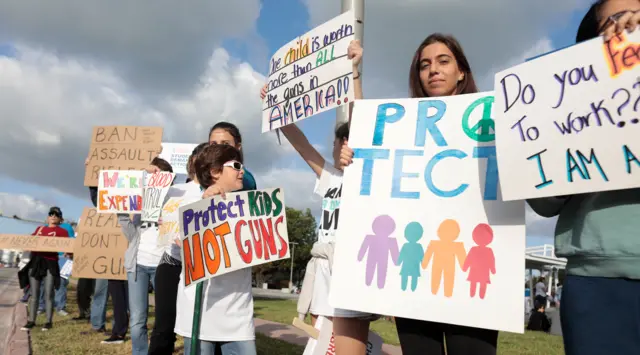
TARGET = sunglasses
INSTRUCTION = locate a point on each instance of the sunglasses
(613, 19)
(53, 214)
(234, 164)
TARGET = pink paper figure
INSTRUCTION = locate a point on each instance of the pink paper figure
(379, 245)
(480, 260)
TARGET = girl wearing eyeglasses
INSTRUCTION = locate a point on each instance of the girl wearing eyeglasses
(598, 233)
(227, 302)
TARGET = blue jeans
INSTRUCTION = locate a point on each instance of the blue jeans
(600, 316)
(99, 304)
(139, 306)
(247, 347)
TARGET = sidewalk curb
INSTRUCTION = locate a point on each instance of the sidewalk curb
(18, 342)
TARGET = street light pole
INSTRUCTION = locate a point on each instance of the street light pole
(293, 250)
(357, 6)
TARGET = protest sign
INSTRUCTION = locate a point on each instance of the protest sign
(567, 122)
(121, 148)
(154, 191)
(169, 231)
(220, 236)
(177, 154)
(36, 243)
(120, 191)
(310, 74)
(100, 247)
(421, 213)
(65, 270)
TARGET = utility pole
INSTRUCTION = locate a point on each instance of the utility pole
(293, 250)
(357, 6)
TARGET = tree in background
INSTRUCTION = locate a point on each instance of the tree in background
(301, 227)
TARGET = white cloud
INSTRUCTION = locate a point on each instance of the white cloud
(539, 228)
(23, 206)
(48, 106)
(492, 32)
(159, 45)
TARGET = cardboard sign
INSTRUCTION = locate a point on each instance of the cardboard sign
(36, 243)
(325, 344)
(177, 154)
(310, 74)
(423, 232)
(121, 148)
(568, 122)
(100, 247)
(220, 236)
(120, 191)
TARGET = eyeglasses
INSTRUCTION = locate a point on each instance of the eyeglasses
(234, 164)
(613, 19)
(53, 214)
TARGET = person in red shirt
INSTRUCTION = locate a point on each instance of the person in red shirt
(44, 266)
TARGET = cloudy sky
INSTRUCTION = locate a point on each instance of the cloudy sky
(67, 65)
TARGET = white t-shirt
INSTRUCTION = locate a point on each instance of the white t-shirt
(189, 192)
(227, 308)
(149, 252)
(541, 289)
(329, 187)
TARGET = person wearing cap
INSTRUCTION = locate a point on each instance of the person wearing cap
(43, 266)
(60, 298)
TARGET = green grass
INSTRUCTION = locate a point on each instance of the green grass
(76, 338)
(530, 343)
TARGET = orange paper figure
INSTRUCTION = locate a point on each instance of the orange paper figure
(480, 261)
(444, 253)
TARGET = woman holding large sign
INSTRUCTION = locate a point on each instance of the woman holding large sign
(598, 232)
(440, 68)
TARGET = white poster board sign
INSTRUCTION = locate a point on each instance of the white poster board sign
(67, 267)
(568, 122)
(154, 191)
(120, 191)
(224, 235)
(177, 154)
(423, 232)
(310, 74)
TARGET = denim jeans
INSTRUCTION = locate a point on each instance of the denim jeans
(139, 306)
(600, 315)
(60, 298)
(247, 347)
(99, 304)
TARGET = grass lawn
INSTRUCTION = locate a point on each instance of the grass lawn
(76, 338)
(530, 343)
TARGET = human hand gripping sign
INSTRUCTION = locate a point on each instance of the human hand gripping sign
(617, 23)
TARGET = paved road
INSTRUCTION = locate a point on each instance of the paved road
(9, 295)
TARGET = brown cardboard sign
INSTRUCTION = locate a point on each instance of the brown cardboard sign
(121, 148)
(100, 247)
(36, 243)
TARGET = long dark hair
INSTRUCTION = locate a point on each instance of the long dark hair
(213, 158)
(588, 28)
(466, 86)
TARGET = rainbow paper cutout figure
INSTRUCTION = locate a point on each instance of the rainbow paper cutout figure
(480, 262)
(411, 255)
(378, 246)
(445, 252)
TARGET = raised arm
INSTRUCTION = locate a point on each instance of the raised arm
(354, 52)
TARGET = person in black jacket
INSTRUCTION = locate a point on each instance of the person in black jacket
(538, 321)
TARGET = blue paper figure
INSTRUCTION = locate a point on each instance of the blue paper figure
(411, 255)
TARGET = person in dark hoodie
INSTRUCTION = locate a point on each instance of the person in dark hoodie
(538, 321)
(43, 266)
(598, 234)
